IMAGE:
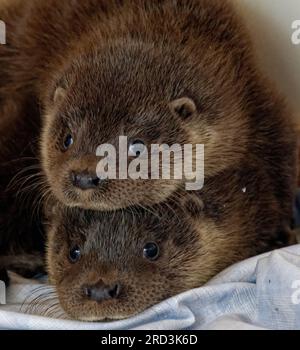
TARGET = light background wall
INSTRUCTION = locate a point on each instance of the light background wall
(270, 23)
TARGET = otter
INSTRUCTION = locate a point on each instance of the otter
(114, 265)
(173, 72)
(160, 72)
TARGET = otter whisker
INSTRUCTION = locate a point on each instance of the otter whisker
(18, 176)
(42, 299)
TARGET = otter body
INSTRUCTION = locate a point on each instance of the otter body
(161, 72)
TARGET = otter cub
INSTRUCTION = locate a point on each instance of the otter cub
(158, 71)
(114, 265)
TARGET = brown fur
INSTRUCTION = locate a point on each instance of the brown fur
(20, 186)
(119, 66)
(21, 232)
(194, 247)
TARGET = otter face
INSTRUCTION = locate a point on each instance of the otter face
(115, 265)
(151, 97)
(70, 143)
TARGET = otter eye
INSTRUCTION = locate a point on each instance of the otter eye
(74, 254)
(151, 251)
(68, 142)
(136, 148)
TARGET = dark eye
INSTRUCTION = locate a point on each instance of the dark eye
(136, 148)
(68, 142)
(75, 254)
(151, 251)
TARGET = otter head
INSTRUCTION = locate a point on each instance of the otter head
(151, 96)
(114, 265)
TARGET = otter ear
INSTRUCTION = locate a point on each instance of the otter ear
(59, 95)
(183, 107)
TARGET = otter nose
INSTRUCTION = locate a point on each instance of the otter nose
(85, 180)
(101, 292)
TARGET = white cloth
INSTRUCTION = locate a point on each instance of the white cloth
(260, 293)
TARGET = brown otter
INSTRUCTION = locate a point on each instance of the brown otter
(116, 264)
(158, 72)
(161, 72)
